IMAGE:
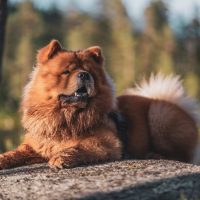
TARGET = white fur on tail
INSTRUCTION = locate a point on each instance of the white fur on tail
(168, 88)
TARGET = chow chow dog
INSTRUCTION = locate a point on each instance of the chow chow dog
(71, 116)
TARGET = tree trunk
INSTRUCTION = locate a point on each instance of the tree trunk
(3, 14)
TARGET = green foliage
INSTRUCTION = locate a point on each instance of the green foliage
(121, 45)
(130, 53)
(156, 46)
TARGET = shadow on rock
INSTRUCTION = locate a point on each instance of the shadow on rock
(180, 187)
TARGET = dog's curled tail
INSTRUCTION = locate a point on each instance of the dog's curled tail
(168, 88)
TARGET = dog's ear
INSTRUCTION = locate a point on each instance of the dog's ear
(48, 51)
(96, 53)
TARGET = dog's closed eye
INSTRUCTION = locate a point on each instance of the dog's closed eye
(65, 71)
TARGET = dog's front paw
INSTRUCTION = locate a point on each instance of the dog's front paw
(3, 162)
(62, 161)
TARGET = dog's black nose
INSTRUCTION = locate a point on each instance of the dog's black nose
(83, 76)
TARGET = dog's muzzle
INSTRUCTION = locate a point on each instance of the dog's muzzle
(84, 91)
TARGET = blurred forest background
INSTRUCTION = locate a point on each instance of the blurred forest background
(130, 52)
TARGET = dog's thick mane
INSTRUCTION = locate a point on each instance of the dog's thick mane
(50, 121)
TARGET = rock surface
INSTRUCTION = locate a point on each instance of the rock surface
(138, 179)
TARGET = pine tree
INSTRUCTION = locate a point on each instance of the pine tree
(84, 30)
(120, 52)
(189, 50)
(3, 14)
(23, 27)
(156, 46)
(21, 46)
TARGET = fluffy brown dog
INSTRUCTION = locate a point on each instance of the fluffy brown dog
(71, 116)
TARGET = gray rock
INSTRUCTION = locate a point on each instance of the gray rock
(131, 179)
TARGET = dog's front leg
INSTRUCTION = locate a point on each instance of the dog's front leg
(90, 151)
(76, 156)
(23, 155)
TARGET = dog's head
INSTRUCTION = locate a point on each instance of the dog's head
(72, 78)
